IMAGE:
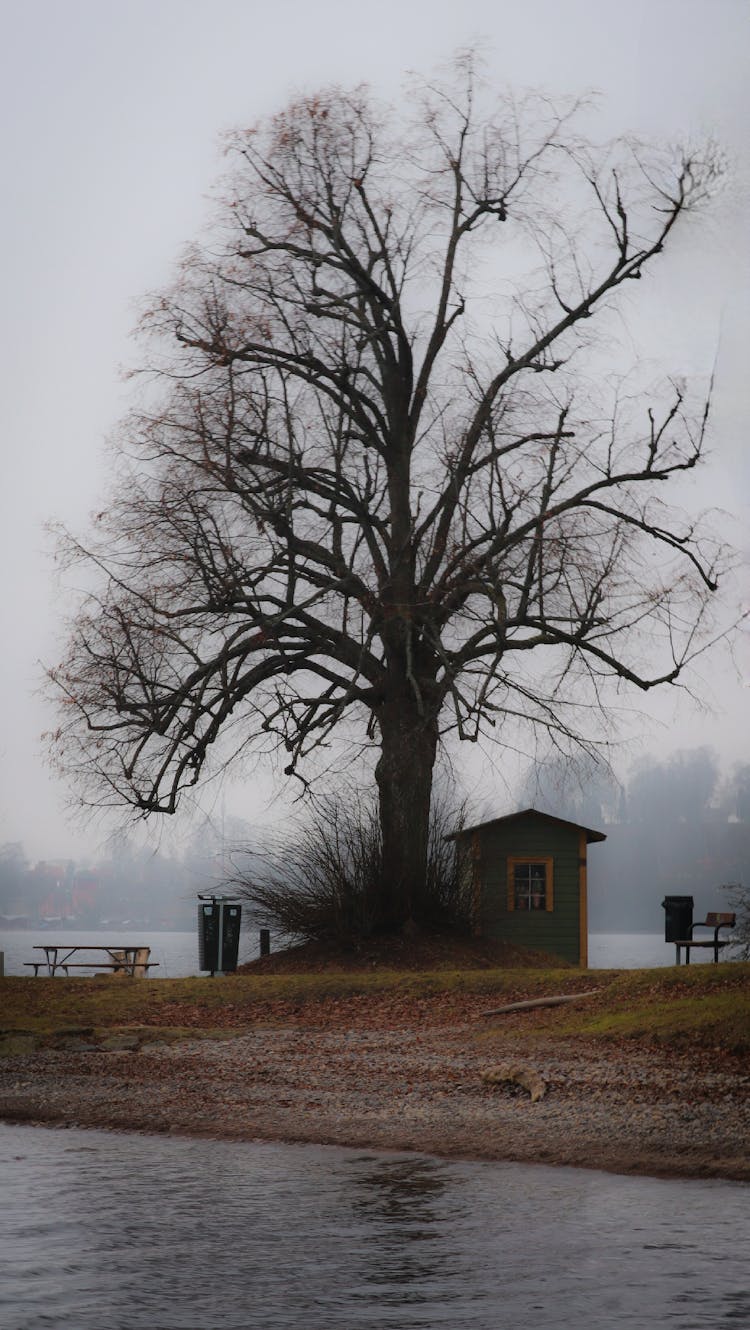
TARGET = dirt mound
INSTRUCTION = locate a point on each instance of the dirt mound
(421, 952)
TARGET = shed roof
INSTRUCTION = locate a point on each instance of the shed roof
(591, 834)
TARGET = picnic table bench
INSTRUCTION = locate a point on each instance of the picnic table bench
(132, 961)
(715, 920)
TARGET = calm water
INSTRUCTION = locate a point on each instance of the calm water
(177, 953)
(102, 1231)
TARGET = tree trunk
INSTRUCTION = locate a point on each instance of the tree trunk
(404, 777)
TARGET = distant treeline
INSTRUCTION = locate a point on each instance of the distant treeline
(676, 826)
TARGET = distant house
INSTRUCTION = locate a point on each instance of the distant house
(528, 878)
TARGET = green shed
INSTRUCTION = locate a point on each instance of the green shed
(528, 878)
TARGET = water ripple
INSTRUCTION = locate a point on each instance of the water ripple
(100, 1231)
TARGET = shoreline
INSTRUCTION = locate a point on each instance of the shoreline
(700, 1168)
(652, 1111)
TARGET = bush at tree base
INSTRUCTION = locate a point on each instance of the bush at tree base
(321, 883)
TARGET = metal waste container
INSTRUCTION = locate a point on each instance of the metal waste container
(219, 920)
(678, 918)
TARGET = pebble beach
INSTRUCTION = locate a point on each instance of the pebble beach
(405, 1075)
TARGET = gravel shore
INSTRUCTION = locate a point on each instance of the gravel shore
(411, 1078)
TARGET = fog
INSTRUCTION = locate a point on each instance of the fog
(110, 123)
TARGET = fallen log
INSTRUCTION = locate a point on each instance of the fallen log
(539, 1002)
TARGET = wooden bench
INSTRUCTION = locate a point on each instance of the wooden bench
(714, 919)
(117, 966)
(100, 966)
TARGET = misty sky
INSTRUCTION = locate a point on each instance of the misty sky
(110, 122)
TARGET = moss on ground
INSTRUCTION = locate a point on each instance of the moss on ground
(713, 1019)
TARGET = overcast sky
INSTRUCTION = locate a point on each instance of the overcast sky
(111, 115)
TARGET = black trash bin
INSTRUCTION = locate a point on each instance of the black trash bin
(678, 918)
(219, 920)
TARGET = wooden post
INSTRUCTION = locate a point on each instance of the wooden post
(583, 909)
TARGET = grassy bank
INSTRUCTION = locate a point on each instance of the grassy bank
(707, 1005)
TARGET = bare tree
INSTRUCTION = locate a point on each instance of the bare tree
(379, 477)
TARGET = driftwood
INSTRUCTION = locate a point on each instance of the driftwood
(539, 1002)
(519, 1074)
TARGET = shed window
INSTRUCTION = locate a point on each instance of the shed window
(530, 884)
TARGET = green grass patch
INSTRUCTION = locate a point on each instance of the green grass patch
(36, 1003)
(709, 1020)
(707, 1004)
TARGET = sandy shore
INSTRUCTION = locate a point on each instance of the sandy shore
(407, 1078)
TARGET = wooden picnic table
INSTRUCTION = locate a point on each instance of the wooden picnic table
(129, 960)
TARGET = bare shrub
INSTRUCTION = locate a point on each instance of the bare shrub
(738, 897)
(321, 883)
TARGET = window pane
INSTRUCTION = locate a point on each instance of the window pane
(530, 886)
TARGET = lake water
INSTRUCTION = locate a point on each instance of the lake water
(177, 953)
(102, 1231)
